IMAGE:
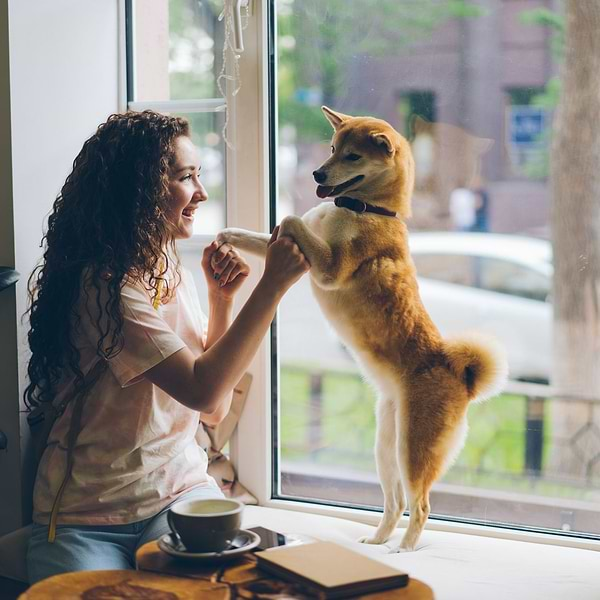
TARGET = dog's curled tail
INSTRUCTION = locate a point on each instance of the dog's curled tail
(479, 361)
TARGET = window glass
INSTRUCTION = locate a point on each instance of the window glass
(178, 47)
(450, 268)
(207, 135)
(527, 132)
(507, 277)
(175, 56)
(474, 86)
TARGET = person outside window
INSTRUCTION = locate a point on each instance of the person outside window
(463, 207)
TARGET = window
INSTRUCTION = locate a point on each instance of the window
(450, 268)
(491, 274)
(449, 69)
(505, 277)
(175, 60)
(527, 133)
(174, 50)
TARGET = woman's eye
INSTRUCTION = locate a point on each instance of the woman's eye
(353, 157)
(189, 176)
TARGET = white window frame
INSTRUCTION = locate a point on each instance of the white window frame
(248, 202)
(248, 195)
(248, 207)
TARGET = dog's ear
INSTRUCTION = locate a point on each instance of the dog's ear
(384, 140)
(336, 119)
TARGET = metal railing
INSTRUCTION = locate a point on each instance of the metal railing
(540, 446)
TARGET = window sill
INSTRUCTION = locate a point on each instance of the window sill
(449, 558)
(369, 517)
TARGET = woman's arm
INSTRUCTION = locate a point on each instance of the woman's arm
(219, 320)
(205, 382)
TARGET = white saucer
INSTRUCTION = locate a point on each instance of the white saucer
(243, 542)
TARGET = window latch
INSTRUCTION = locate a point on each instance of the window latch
(238, 38)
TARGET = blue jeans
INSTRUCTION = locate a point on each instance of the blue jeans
(94, 547)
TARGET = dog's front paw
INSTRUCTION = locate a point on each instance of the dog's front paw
(224, 236)
(368, 539)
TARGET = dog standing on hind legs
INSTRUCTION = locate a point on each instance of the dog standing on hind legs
(364, 280)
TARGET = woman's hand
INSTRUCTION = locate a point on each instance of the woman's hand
(225, 270)
(285, 263)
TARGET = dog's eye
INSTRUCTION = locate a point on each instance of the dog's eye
(332, 149)
(353, 157)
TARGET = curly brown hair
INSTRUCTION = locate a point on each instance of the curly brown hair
(109, 220)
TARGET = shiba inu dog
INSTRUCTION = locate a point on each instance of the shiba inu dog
(365, 282)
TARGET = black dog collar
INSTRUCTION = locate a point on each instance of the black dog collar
(360, 207)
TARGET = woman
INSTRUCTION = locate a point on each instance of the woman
(115, 320)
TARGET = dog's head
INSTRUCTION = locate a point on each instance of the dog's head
(369, 161)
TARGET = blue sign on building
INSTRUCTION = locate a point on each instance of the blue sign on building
(526, 125)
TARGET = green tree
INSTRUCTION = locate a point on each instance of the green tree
(192, 27)
(319, 40)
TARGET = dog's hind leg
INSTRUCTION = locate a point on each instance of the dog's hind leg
(255, 243)
(386, 445)
(418, 503)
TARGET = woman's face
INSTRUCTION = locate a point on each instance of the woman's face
(185, 188)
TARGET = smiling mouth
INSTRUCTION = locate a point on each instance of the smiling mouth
(188, 213)
(323, 191)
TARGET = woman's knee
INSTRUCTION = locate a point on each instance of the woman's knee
(74, 549)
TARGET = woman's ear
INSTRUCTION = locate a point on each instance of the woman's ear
(336, 119)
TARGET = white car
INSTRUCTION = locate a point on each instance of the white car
(493, 283)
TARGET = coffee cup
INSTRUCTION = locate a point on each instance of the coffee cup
(206, 525)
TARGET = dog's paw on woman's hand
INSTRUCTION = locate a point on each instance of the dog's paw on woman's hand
(223, 237)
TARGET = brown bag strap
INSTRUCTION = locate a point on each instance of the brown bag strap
(74, 428)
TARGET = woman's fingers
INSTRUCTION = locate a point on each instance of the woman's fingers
(225, 274)
(221, 258)
(208, 253)
(227, 269)
(220, 254)
(237, 269)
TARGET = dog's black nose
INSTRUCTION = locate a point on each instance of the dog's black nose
(319, 176)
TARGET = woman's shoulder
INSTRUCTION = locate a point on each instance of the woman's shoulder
(99, 286)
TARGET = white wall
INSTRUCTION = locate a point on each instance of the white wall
(64, 81)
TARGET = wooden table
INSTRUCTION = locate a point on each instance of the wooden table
(244, 580)
(161, 577)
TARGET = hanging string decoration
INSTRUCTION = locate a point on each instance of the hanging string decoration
(232, 80)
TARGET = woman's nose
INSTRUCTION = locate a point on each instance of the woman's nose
(202, 193)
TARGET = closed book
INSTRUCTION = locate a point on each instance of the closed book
(335, 571)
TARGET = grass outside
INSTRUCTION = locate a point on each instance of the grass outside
(339, 431)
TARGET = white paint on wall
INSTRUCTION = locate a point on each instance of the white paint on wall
(64, 81)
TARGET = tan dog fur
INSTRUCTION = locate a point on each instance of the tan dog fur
(365, 282)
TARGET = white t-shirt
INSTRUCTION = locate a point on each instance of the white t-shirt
(136, 450)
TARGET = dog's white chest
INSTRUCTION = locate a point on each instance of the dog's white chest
(331, 224)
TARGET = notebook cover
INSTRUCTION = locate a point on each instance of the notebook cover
(332, 568)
